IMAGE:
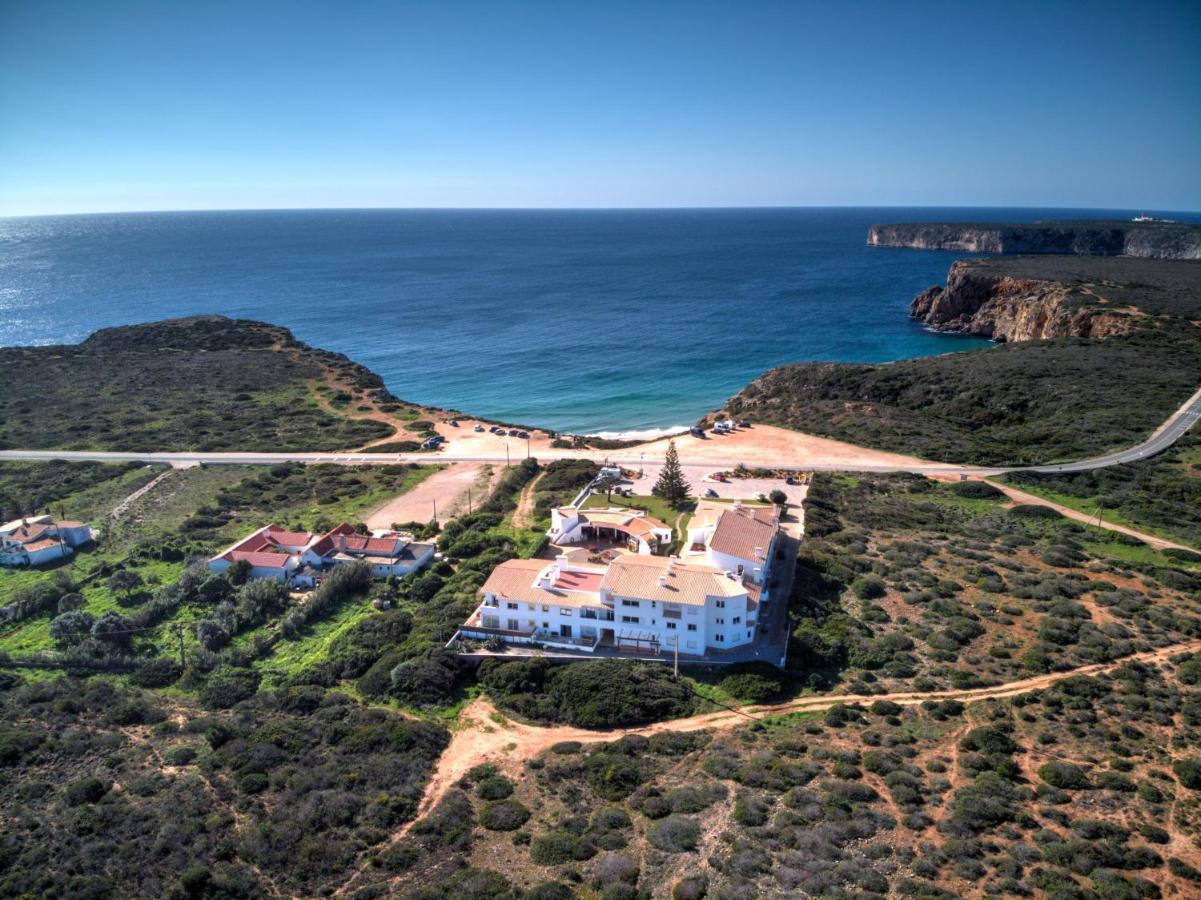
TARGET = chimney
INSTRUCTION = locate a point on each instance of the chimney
(758, 553)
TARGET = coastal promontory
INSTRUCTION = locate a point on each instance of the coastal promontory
(1151, 239)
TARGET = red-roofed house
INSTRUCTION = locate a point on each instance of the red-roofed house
(301, 558)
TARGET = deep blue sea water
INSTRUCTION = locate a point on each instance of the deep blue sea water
(586, 320)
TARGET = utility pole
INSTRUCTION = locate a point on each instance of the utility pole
(179, 631)
(527, 448)
(506, 454)
(469, 501)
(676, 665)
(435, 512)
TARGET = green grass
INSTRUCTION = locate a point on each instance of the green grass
(291, 656)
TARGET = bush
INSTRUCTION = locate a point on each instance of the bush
(675, 834)
(1063, 775)
(426, 682)
(751, 687)
(227, 686)
(976, 490)
(868, 587)
(155, 673)
(553, 848)
(601, 693)
(85, 790)
(1189, 772)
(504, 815)
(494, 787)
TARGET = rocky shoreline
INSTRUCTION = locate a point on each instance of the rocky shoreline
(1005, 307)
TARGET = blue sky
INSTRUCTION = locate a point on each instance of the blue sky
(112, 105)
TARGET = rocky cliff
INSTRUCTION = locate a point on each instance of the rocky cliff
(984, 302)
(1153, 240)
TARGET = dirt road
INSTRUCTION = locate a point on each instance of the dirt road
(1022, 497)
(447, 490)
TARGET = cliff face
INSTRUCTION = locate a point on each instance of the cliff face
(1153, 240)
(1007, 308)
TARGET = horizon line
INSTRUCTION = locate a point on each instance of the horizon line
(696, 208)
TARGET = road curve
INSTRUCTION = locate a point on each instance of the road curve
(1167, 434)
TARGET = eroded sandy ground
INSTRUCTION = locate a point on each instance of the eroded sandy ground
(761, 445)
(447, 490)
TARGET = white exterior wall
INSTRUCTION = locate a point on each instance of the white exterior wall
(49, 554)
(652, 621)
(753, 568)
(720, 621)
(76, 537)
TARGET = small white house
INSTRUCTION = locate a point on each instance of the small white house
(41, 540)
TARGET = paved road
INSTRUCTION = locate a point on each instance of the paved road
(1167, 434)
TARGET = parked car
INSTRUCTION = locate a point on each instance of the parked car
(744, 424)
(433, 443)
(790, 480)
(454, 423)
(696, 431)
(709, 492)
(479, 427)
(524, 435)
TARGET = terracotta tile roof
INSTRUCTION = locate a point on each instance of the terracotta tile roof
(37, 546)
(740, 531)
(27, 533)
(638, 577)
(288, 538)
(70, 523)
(516, 579)
(261, 559)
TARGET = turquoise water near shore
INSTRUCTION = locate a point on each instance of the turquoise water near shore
(580, 320)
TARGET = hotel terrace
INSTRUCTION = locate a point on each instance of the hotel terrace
(702, 603)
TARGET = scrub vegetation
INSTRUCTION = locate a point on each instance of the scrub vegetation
(205, 383)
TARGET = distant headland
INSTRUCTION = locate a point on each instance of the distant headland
(1154, 239)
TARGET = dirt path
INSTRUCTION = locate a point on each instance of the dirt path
(446, 490)
(523, 514)
(121, 508)
(1033, 499)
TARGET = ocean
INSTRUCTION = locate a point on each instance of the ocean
(588, 321)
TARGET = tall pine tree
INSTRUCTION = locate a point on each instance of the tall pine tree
(671, 485)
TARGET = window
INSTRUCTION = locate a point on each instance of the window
(721, 621)
(691, 627)
(491, 621)
(564, 611)
(720, 638)
(740, 568)
(545, 608)
(736, 620)
(545, 626)
(748, 634)
(514, 625)
(530, 607)
(721, 604)
(630, 620)
(671, 625)
(630, 603)
(510, 606)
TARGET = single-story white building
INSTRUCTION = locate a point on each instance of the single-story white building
(635, 529)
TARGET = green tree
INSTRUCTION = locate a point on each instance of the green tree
(71, 627)
(672, 486)
(124, 582)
